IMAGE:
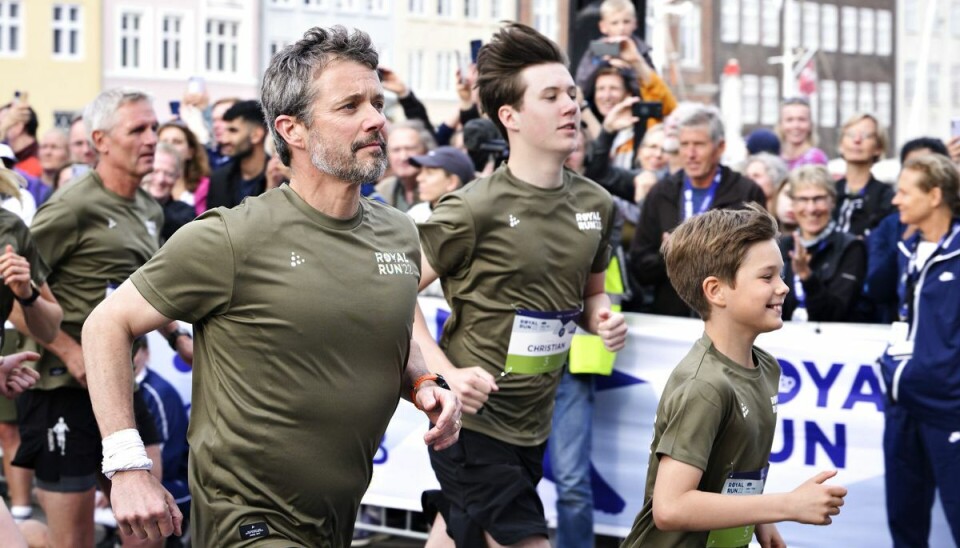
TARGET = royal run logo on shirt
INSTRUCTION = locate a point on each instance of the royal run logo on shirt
(394, 263)
(590, 220)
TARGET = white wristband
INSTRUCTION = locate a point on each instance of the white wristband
(123, 450)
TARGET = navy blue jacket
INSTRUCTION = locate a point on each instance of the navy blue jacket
(168, 411)
(928, 384)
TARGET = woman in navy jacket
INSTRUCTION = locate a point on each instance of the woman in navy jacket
(922, 364)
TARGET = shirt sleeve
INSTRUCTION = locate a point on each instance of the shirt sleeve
(692, 418)
(192, 275)
(55, 231)
(449, 236)
(604, 251)
(28, 250)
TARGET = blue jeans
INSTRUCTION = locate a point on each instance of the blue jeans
(570, 443)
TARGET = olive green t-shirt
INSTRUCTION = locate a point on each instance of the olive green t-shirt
(302, 326)
(93, 240)
(500, 245)
(717, 416)
(16, 234)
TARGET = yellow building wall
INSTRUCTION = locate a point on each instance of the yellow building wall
(53, 84)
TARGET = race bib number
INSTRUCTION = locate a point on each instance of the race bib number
(540, 341)
(738, 483)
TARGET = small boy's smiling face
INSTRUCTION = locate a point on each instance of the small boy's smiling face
(618, 23)
(756, 301)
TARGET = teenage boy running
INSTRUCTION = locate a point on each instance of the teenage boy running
(716, 419)
(521, 255)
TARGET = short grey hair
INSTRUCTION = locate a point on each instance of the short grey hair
(287, 85)
(775, 167)
(703, 116)
(101, 113)
(812, 176)
(426, 138)
(167, 148)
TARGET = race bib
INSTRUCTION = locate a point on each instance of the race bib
(738, 483)
(540, 341)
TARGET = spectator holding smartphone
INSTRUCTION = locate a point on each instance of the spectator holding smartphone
(618, 19)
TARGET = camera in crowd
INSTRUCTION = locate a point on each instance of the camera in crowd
(484, 143)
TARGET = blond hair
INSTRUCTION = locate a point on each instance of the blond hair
(882, 139)
(11, 182)
(609, 7)
(713, 244)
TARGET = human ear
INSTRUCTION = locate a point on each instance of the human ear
(715, 291)
(291, 131)
(509, 117)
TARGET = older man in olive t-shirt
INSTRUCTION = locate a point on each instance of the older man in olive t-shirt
(302, 301)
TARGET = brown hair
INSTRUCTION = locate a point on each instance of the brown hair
(713, 244)
(500, 62)
(195, 167)
(938, 172)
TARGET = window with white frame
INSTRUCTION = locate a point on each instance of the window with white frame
(867, 31)
(691, 48)
(954, 86)
(346, 6)
(933, 84)
(828, 24)
(67, 31)
(770, 23)
(171, 38)
(471, 9)
(939, 23)
(415, 68)
(884, 32)
(222, 37)
(283, 3)
(955, 19)
(909, 80)
(376, 6)
(545, 17)
(911, 16)
(495, 10)
(750, 95)
(811, 25)
(792, 32)
(848, 100)
(750, 31)
(446, 70)
(315, 4)
(276, 46)
(884, 106)
(445, 8)
(129, 37)
(730, 21)
(11, 25)
(417, 7)
(769, 100)
(828, 103)
(865, 98)
(848, 27)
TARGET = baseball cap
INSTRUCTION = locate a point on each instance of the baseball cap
(7, 155)
(450, 159)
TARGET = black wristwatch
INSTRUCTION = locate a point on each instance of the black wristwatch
(176, 334)
(435, 377)
(34, 295)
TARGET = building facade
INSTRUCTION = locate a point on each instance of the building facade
(841, 56)
(928, 93)
(50, 50)
(159, 46)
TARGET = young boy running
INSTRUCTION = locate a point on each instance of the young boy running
(717, 415)
(521, 255)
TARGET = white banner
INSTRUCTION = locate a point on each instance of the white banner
(830, 416)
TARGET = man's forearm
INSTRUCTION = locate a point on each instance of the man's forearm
(106, 353)
(431, 354)
(43, 316)
(416, 368)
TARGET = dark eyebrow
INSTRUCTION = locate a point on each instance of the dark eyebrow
(354, 97)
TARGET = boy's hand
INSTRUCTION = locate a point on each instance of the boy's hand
(612, 329)
(800, 259)
(768, 536)
(814, 502)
